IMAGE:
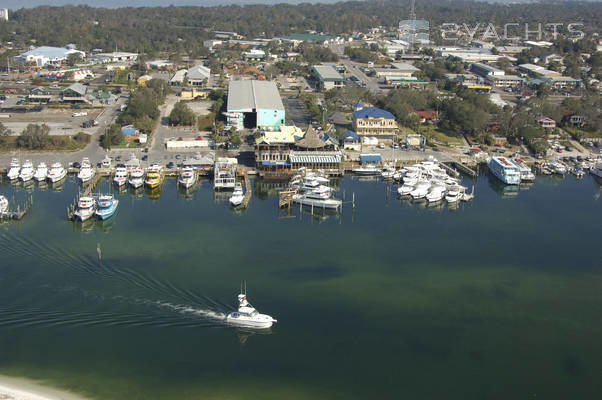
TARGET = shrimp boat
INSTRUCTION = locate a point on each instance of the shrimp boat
(41, 172)
(136, 177)
(153, 176)
(56, 173)
(14, 169)
(86, 172)
(237, 196)
(121, 176)
(85, 208)
(247, 316)
(187, 177)
(27, 171)
(106, 205)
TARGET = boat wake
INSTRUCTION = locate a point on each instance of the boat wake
(176, 306)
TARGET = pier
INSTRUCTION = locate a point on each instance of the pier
(247, 199)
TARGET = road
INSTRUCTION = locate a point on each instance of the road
(354, 69)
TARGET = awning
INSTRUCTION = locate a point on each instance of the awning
(371, 157)
(315, 159)
(273, 163)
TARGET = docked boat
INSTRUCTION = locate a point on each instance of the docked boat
(505, 170)
(106, 162)
(247, 316)
(420, 190)
(153, 176)
(132, 163)
(3, 205)
(106, 205)
(320, 197)
(405, 189)
(596, 170)
(41, 172)
(526, 175)
(56, 172)
(436, 193)
(187, 177)
(86, 172)
(367, 170)
(237, 196)
(121, 176)
(13, 170)
(557, 167)
(27, 171)
(388, 172)
(136, 177)
(85, 208)
(454, 194)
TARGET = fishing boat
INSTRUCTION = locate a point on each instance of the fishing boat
(136, 177)
(41, 172)
(85, 208)
(187, 177)
(504, 170)
(56, 172)
(153, 176)
(106, 205)
(237, 196)
(247, 316)
(3, 204)
(121, 176)
(13, 170)
(27, 171)
(86, 172)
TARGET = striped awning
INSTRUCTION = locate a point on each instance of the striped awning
(315, 159)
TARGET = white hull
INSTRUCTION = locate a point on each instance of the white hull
(26, 176)
(13, 174)
(58, 177)
(85, 175)
(249, 323)
(84, 215)
(318, 203)
(136, 182)
(597, 171)
(236, 200)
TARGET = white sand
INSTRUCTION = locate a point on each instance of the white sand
(22, 389)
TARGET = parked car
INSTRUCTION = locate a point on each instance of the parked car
(144, 157)
(436, 149)
(76, 165)
(170, 165)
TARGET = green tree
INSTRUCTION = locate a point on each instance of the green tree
(112, 136)
(4, 133)
(34, 137)
(74, 59)
(181, 114)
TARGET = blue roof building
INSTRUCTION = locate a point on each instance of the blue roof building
(374, 122)
(350, 136)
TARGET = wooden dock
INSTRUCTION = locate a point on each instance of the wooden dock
(464, 169)
(86, 193)
(285, 197)
(247, 199)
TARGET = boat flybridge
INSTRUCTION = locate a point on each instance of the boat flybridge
(247, 316)
(41, 172)
(14, 170)
(27, 171)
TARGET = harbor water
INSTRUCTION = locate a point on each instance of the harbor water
(496, 299)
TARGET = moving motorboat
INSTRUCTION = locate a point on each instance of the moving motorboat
(3, 204)
(27, 171)
(136, 177)
(237, 196)
(121, 176)
(106, 205)
(14, 169)
(187, 177)
(85, 208)
(86, 171)
(41, 172)
(247, 316)
(56, 172)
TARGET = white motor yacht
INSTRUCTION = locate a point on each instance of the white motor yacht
(27, 171)
(435, 194)
(187, 177)
(420, 190)
(136, 177)
(247, 316)
(558, 167)
(405, 189)
(14, 169)
(453, 194)
(121, 176)
(85, 208)
(237, 196)
(3, 204)
(56, 172)
(41, 172)
(86, 172)
(367, 170)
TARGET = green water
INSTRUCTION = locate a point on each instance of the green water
(498, 299)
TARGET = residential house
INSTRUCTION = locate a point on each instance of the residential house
(143, 80)
(351, 141)
(547, 123)
(427, 116)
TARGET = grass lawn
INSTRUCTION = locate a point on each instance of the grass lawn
(54, 143)
(437, 136)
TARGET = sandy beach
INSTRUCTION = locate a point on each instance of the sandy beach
(23, 389)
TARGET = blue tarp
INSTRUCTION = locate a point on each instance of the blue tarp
(370, 158)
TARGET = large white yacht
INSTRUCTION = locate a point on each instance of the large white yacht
(121, 176)
(420, 190)
(319, 197)
(237, 196)
(41, 172)
(14, 169)
(27, 171)
(86, 172)
(247, 316)
(136, 177)
(504, 170)
(85, 208)
(367, 170)
(187, 177)
(56, 172)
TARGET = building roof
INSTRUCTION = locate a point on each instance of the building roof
(251, 95)
(315, 158)
(372, 112)
(327, 73)
(350, 136)
(49, 52)
(311, 140)
(78, 88)
(370, 157)
(286, 134)
(405, 67)
(198, 72)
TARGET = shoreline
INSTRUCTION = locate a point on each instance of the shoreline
(12, 388)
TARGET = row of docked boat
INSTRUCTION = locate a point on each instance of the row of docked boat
(511, 171)
(313, 189)
(27, 172)
(429, 182)
(102, 207)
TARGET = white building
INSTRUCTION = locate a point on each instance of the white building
(43, 55)
(3, 14)
(115, 56)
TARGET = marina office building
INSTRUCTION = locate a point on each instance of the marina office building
(254, 104)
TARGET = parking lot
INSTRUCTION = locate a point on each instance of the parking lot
(296, 113)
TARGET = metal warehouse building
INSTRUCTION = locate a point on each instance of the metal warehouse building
(254, 104)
